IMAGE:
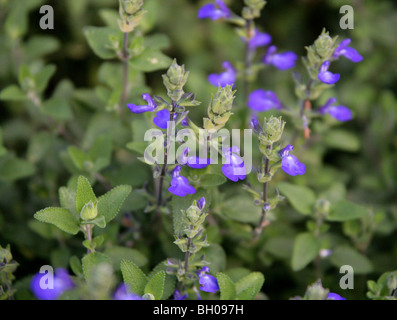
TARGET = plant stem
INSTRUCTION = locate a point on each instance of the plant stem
(164, 167)
(261, 224)
(187, 254)
(124, 59)
(88, 232)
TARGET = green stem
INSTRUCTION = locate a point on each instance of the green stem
(124, 59)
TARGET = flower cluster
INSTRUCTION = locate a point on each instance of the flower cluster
(51, 290)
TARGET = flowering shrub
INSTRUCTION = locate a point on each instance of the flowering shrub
(141, 146)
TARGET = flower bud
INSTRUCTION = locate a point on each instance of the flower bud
(273, 130)
(89, 211)
(219, 108)
(174, 80)
(193, 214)
(131, 14)
(323, 207)
(131, 6)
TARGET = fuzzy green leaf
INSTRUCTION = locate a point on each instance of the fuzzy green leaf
(92, 260)
(226, 286)
(155, 285)
(134, 277)
(251, 284)
(110, 203)
(60, 217)
(84, 193)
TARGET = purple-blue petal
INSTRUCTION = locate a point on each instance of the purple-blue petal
(328, 77)
(208, 283)
(261, 100)
(62, 283)
(225, 78)
(340, 113)
(139, 109)
(284, 61)
(180, 187)
(260, 39)
(122, 293)
(161, 119)
(197, 163)
(291, 165)
(334, 296)
(213, 11)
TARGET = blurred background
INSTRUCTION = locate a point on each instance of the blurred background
(357, 159)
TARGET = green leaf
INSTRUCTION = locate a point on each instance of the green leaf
(75, 265)
(78, 157)
(155, 285)
(42, 78)
(12, 168)
(170, 280)
(39, 145)
(117, 254)
(241, 208)
(300, 197)
(99, 40)
(212, 180)
(39, 46)
(134, 277)
(12, 93)
(102, 148)
(226, 286)
(67, 199)
(348, 256)
(58, 108)
(306, 248)
(345, 210)
(249, 286)
(110, 203)
(137, 146)
(91, 261)
(60, 217)
(84, 193)
(150, 60)
(342, 140)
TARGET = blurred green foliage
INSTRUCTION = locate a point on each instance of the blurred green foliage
(56, 123)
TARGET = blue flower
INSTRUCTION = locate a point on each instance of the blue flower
(162, 117)
(344, 50)
(334, 296)
(327, 76)
(281, 61)
(234, 167)
(289, 163)
(179, 184)
(201, 203)
(207, 282)
(214, 11)
(254, 123)
(340, 113)
(260, 39)
(225, 78)
(62, 282)
(179, 296)
(151, 105)
(193, 161)
(261, 100)
(122, 293)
